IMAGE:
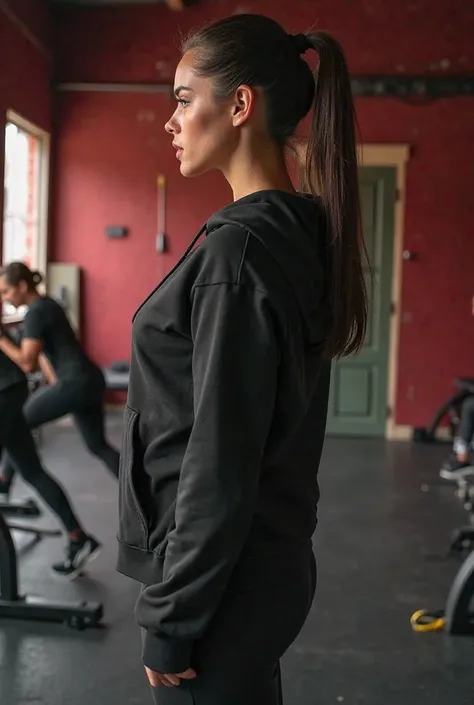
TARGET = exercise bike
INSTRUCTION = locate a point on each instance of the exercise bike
(457, 616)
(449, 410)
(463, 538)
(78, 615)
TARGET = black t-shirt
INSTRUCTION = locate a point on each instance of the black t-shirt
(10, 373)
(45, 320)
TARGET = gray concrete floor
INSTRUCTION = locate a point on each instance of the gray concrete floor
(381, 547)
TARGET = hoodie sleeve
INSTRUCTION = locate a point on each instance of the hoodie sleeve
(235, 363)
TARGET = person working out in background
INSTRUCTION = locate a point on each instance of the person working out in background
(80, 385)
(17, 441)
(462, 447)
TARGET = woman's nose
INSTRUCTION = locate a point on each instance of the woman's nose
(171, 126)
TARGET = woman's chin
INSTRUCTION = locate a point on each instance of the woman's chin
(189, 170)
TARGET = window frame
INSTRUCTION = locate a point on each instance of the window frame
(44, 139)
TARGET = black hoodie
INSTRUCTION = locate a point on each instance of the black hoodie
(225, 416)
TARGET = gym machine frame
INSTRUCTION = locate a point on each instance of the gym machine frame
(463, 537)
(78, 615)
(458, 617)
(450, 408)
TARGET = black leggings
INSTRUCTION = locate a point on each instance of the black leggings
(237, 660)
(85, 402)
(17, 441)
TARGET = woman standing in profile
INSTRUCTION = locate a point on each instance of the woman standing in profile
(230, 367)
(79, 387)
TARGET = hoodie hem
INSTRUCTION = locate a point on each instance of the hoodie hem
(145, 567)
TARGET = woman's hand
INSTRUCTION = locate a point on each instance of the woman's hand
(169, 679)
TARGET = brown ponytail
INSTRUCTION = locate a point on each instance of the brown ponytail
(331, 173)
(256, 50)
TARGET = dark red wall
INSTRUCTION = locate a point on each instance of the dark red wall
(25, 77)
(25, 65)
(111, 147)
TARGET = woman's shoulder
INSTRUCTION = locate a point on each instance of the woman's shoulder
(44, 306)
(43, 301)
(226, 240)
(219, 257)
(232, 255)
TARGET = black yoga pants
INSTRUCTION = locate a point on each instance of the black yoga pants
(85, 403)
(238, 658)
(17, 441)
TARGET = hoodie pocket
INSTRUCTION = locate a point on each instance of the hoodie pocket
(166, 526)
(133, 523)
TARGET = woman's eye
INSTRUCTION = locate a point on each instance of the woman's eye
(183, 102)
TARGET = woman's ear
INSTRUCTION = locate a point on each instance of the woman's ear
(244, 100)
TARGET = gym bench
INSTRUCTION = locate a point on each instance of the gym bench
(117, 376)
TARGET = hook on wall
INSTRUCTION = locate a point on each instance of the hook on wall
(409, 256)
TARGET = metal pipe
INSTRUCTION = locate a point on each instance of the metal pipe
(23, 28)
(116, 87)
(377, 86)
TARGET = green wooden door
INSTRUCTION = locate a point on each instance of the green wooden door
(358, 395)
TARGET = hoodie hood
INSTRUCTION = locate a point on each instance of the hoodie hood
(291, 227)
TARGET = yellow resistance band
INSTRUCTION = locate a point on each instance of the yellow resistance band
(423, 621)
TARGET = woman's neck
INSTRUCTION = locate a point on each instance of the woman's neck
(30, 297)
(258, 167)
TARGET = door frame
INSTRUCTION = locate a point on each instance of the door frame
(395, 156)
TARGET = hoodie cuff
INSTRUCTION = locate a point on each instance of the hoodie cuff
(166, 654)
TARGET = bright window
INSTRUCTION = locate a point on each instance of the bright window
(25, 196)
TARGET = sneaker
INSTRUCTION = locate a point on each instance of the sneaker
(456, 470)
(79, 554)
